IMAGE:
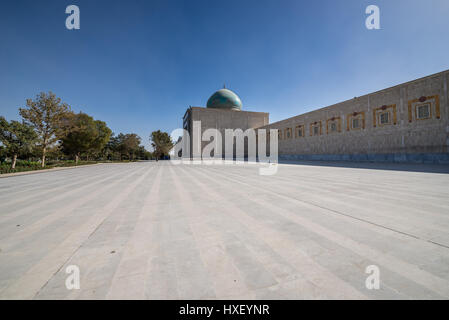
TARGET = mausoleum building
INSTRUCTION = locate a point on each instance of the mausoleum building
(405, 123)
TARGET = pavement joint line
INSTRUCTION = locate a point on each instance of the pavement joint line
(90, 234)
(308, 260)
(187, 201)
(412, 269)
(26, 209)
(341, 213)
(72, 237)
(302, 176)
(69, 173)
(31, 229)
(72, 181)
(143, 211)
(241, 276)
(228, 222)
(385, 185)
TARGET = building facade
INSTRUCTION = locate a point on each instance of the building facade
(223, 111)
(405, 123)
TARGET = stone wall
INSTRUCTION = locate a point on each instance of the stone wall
(221, 120)
(353, 129)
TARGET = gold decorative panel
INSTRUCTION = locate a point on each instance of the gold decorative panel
(377, 114)
(336, 120)
(316, 124)
(288, 133)
(299, 131)
(352, 116)
(434, 104)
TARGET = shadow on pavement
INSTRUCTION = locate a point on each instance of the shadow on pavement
(411, 167)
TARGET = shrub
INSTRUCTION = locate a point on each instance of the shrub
(6, 167)
(25, 163)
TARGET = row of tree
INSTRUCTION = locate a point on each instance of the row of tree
(49, 126)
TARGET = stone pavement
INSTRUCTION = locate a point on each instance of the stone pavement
(162, 231)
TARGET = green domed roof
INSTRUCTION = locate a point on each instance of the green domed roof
(224, 99)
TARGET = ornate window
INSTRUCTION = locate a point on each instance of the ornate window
(279, 134)
(355, 121)
(315, 128)
(385, 115)
(424, 108)
(333, 125)
(299, 131)
(288, 133)
(423, 111)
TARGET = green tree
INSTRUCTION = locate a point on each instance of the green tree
(130, 144)
(103, 134)
(121, 147)
(54, 152)
(143, 154)
(112, 151)
(2, 154)
(125, 146)
(45, 114)
(17, 137)
(161, 142)
(80, 133)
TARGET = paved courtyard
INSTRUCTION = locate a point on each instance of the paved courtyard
(160, 231)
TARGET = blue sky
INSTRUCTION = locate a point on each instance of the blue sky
(139, 64)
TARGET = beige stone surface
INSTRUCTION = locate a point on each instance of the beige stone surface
(162, 231)
(220, 120)
(408, 135)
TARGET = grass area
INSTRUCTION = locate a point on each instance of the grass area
(23, 166)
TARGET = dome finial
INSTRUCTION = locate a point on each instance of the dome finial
(224, 85)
